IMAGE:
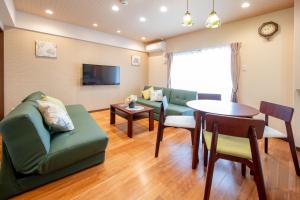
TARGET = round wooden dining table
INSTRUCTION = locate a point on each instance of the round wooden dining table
(219, 108)
(223, 108)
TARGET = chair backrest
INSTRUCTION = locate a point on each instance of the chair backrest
(164, 104)
(163, 109)
(233, 126)
(284, 113)
(206, 96)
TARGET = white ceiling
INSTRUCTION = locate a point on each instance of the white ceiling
(158, 25)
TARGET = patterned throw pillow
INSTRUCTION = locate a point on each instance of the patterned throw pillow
(54, 100)
(156, 95)
(146, 93)
(55, 117)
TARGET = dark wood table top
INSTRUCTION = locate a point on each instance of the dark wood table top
(223, 108)
(123, 106)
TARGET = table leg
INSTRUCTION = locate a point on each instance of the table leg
(196, 140)
(129, 126)
(151, 120)
(112, 115)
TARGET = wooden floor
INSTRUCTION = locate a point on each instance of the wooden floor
(130, 171)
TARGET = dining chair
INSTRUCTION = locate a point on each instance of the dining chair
(233, 139)
(207, 96)
(186, 122)
(285, 114)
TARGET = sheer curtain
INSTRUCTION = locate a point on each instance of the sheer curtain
(235, 69)
(204, 71)
(169, 57)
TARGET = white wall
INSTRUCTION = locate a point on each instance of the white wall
(268, 65)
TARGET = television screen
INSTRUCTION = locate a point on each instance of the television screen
(100, 75)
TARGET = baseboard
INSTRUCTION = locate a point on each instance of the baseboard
(99, 110)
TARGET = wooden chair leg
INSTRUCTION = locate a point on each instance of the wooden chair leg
(243, 169)
(192, 136)
(202, 128)
(158, 139)
(205, 155)
(259, 180)
(195, 159)
(162, 134)
(266, 145)
(257, 168)
(291, 141)
(211, 164)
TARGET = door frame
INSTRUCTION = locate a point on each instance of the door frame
(1, 74)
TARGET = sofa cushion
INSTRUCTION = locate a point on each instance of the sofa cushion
(229, 145)
(152, 104)
(179, 110)
(166, 91)
(26, 137)
(146, 93)
(34, 96)
(68, 148)
(181, 97)
(55, 116)
(54, 100)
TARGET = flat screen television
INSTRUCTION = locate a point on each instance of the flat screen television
(100, 75)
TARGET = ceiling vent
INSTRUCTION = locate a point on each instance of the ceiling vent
(124, 2)
(156, 47)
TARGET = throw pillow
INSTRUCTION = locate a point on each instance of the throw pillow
(156, 95)
(34, 96)
(54, 100)
(146, 93)
(55, 117)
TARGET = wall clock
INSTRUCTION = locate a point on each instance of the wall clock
(268, 29)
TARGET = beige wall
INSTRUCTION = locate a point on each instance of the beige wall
(297, 71)
(267, 65)
(61, 77)
(158, 70)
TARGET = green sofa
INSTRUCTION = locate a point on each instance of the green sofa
(31, 156)
(177, 100)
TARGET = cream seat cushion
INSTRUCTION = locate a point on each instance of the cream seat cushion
(180, 121)
(273, 133)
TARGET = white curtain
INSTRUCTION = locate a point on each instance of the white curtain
(204, 71)
(169, 58)
(235, 69)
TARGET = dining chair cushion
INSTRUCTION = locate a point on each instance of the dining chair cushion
(230, 145)
(273, 133)
(180, 121)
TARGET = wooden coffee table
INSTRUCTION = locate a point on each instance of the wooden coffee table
(131, 115)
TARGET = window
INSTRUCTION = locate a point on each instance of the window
(204, 71)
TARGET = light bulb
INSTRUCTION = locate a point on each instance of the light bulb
(213, 20)
(187, 19)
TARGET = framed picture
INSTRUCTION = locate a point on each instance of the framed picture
(45, 49)
(135, 60)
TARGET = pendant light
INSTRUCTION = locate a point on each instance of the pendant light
(213, 20)
(187, 18)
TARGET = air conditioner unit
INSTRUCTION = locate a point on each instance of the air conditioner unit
(156, 47)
